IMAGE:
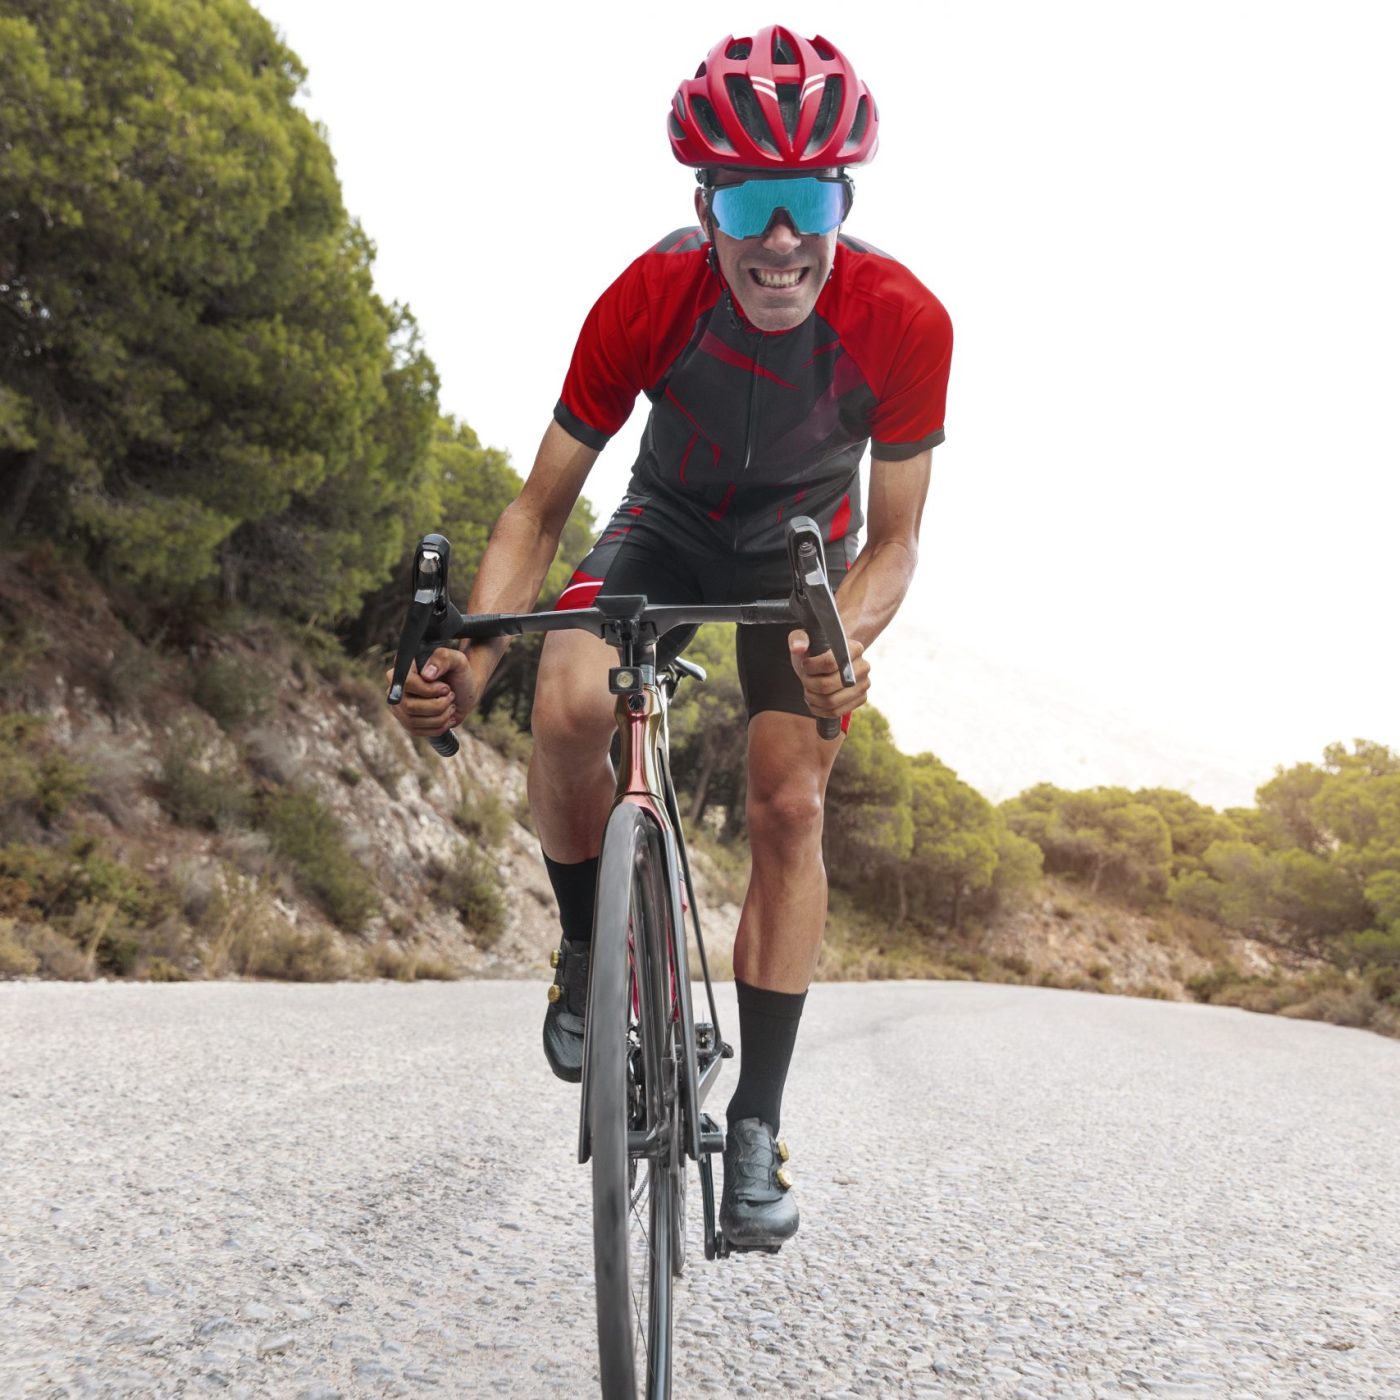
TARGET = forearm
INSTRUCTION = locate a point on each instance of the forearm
(526, 538)
(873, 589)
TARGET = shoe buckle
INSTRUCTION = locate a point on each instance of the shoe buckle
(783, 1153)
(555, 992)
(554, 957)
(784, 1178)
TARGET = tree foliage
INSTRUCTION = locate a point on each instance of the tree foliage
(1320, 867)
(1107, 837)
(198, 379)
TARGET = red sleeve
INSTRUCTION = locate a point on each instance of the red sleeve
(908, 418)
(608, 369)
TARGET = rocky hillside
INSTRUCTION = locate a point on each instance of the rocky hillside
(242, 804)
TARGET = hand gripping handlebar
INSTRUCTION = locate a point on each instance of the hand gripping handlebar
(629, 623)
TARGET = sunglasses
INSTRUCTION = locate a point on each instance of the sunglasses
(814, 203)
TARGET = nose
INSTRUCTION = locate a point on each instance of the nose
(781, 236)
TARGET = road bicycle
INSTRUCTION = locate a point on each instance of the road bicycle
(648, 1065)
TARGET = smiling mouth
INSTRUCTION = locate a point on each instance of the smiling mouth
(777, 281)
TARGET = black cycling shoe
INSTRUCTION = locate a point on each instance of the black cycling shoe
(756, 1211)
(563, 1021)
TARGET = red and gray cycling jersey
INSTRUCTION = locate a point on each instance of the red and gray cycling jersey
(748, 426)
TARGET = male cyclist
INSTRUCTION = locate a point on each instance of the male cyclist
(772, 350)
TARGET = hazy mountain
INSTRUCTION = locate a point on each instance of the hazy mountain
(1004, 729)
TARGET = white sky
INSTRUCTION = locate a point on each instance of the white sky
(1166, 235)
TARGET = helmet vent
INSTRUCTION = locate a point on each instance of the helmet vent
(826, 113)
(740, 48)
(824, 50)
(861, 122)
(709, 122)
(781, 52)
(750, 114)
(677, 130)
(787, 105)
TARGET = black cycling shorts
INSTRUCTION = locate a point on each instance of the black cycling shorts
(637, 553)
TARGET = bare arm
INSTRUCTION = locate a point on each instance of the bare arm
(526, 538)
(873, 589)
(512, 571)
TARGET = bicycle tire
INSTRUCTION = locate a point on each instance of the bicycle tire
(632, 1086)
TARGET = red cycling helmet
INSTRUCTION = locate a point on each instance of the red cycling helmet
(774, 101)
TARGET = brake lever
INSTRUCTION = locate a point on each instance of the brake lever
(814, 605)
(431, 619)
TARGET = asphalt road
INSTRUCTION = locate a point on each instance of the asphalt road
(360, 1190)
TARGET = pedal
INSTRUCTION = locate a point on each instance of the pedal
(711, 1136)
(708, 1045)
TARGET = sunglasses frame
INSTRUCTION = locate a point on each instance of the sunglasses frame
(843, 180)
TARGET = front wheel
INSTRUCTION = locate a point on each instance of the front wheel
(633, 1117)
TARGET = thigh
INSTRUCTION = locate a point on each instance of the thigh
(765, 665)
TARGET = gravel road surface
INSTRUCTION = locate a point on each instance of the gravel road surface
(364, 1190)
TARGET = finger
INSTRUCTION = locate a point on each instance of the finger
(812, 665)
(442, 661)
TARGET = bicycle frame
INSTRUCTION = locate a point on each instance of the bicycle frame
(644, 780)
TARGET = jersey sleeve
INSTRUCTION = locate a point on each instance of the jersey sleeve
(908, 418)
(608, 369)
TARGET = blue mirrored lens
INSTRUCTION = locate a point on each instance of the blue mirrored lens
(746, 210)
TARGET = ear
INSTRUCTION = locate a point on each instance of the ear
(703, 215)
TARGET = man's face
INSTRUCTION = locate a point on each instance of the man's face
(777, 276)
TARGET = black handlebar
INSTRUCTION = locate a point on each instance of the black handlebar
(627, 620)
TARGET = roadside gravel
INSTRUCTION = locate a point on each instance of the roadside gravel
(363, 1190)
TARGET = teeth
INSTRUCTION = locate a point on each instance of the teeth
(777, 279)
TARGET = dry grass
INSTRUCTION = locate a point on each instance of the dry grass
(397, 964)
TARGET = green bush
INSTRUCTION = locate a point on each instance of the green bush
(232, 691)
(472, 888)
(35, 773)
(483, 816)
(56, 881)
(212, 798)
(310, 839)
(501, 733)
(1206, 986)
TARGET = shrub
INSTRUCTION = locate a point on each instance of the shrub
(472, 888)
(1206, 986)
(289, 955)
(56, 882)
(310, 839)
(500, 732)
(122, 682)
(401, 965)
(58, 958)
(213, 798)
(232, 691)
(1153, 991)
(35, 773)
(272, 755)
(483, 816)
(15, 959)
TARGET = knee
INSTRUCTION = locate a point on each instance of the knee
(570, 717)
(787, 811)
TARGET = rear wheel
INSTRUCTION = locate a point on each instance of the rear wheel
(633, 1114)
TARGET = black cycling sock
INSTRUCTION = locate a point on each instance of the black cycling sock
(767, 1032)
(574, 888)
